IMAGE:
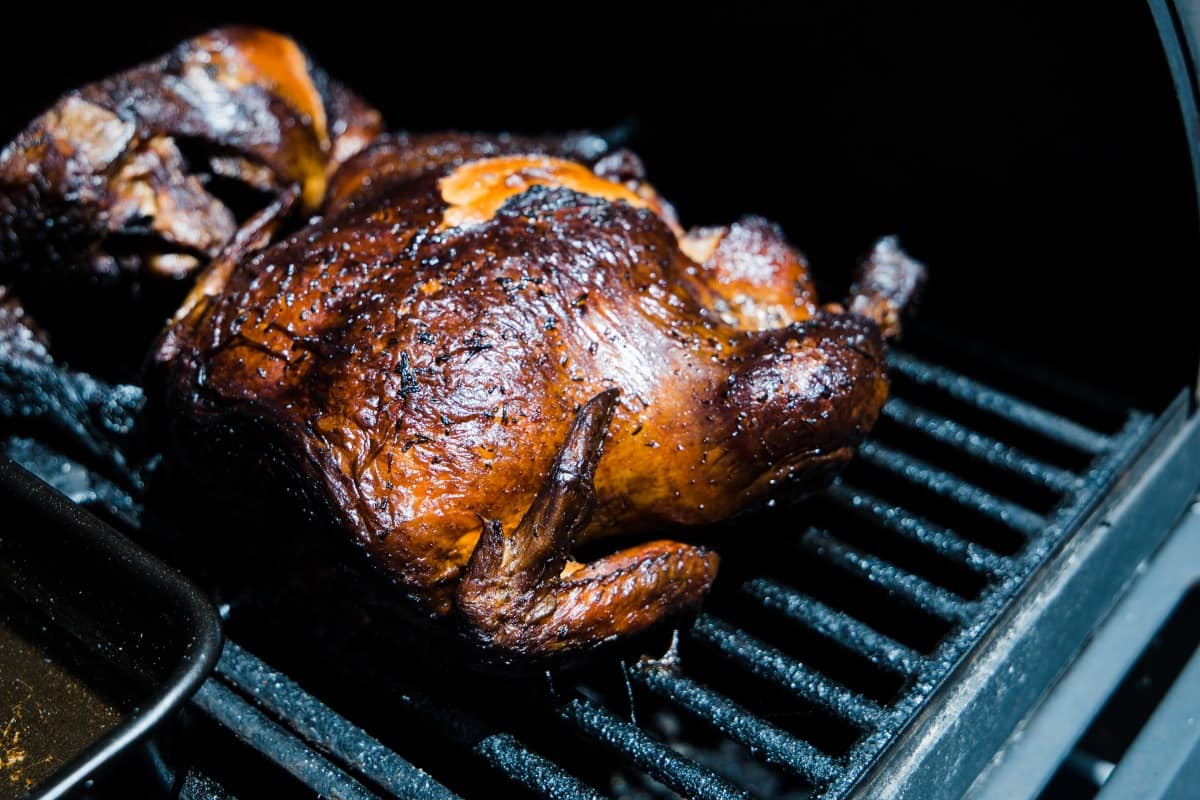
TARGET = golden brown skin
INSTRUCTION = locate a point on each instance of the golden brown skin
(521, 592)
(439, 355)
(112, 184)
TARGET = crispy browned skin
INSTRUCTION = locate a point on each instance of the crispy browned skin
(438, 361)
(98, 188)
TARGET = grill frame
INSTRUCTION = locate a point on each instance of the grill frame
(1148, 739)
(1047, 624)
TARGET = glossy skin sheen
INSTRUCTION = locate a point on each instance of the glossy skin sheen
(441, 355)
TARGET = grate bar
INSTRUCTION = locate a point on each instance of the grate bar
(323, 727)
(462, 728)
(914, 590)
(540, 775)
(984, 448)
(763, 738)
(655, 758)
(952, 487)
(272, 740)
(837, 626)
(781, 669)
(1002, 404)
(909, 527)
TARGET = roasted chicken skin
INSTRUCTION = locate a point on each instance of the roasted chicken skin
(114, 183)
(443, 355)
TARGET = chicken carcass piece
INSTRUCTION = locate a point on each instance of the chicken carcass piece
(441, 358)
(112, 184)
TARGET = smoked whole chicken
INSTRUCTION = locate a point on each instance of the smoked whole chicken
(486, 351)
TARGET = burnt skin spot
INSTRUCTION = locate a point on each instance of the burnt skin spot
(408, 380)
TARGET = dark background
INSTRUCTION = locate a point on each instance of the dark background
(1033, 156)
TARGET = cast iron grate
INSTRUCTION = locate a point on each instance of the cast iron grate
(822, 643)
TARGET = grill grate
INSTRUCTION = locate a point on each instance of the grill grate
(820, 644)
(907, 566)
(319, 726)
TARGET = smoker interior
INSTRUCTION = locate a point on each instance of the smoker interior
(1032, 156)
